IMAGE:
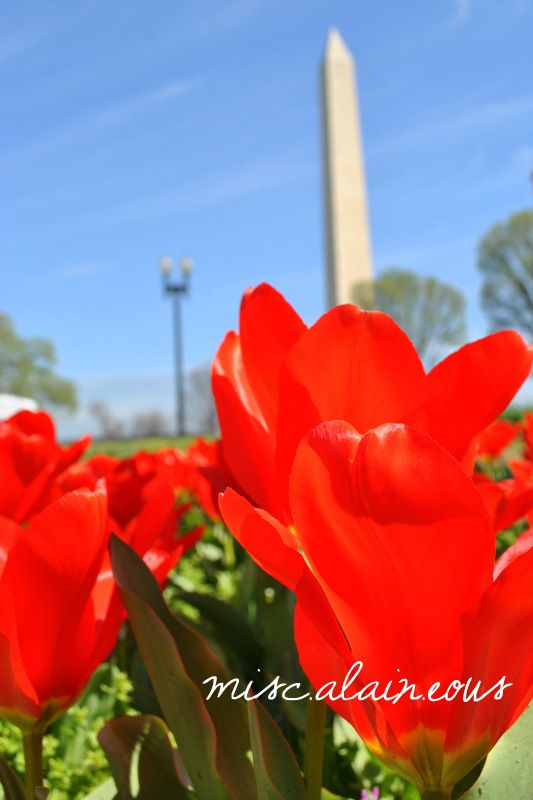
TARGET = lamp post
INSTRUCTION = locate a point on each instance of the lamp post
(176, 289)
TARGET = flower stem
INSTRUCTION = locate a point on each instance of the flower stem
(314, 749)
(435, 796)
(33, 759)
(229, 550)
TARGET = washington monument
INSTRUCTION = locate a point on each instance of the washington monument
(348, 249)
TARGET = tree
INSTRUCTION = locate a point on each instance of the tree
(110, 426)
(27, 369)
(150, 423)
(432, 313)
(505, 260)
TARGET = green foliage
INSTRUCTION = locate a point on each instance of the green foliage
(27, 369)
(142, 758)
(178, 661)
(515, 412)
(505, 260)
(122, 448)
(431, 312)
(10, 783)
(73, 759)
(350, 767)
(277, 774)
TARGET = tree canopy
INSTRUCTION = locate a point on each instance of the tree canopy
(505, 260)
(431, 312)
(27, 369)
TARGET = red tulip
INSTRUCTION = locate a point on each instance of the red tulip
(200, 471)
(277, 379)
(392, 560)
(153, 534)
(496, 437)
(31, 461)
(206, 474)
(507, 501)
(86, 474)
(521, 546)
(143, 508)
(129, 482)
(60, 610)
(54, 629)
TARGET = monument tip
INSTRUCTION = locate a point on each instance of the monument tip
(336, 47)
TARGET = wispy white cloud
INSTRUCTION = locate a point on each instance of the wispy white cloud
(483, 116)
(103, 120)
(215, 189)
(220, 17)
(74, 272)
(471, 185)
(124, 110)
(462, 12)
(211, 189)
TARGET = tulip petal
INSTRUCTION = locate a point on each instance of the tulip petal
(156, 515)
(353, 365)
(9, 533)
(327, 661)
(109, 614)
(497, 437)
(18, 700)
(507, 501)
(58, 556)
(246, 443)
(31, 423)
(322, 662)
(471, 387)
(269, 543)
(498, 644)
(207, 474)
(521, 546)
(386, 543)
(72, 453)
(268, 328)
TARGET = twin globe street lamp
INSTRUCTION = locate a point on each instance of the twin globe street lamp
(176, 289)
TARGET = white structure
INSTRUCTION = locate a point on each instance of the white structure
(348, 252)
(11, 404)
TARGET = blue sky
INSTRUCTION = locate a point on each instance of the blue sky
(133, 129)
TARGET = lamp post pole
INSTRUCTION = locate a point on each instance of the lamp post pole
(177, 289)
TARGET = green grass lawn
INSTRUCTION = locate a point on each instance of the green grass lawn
(127, 447)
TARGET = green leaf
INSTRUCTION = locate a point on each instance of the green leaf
(141, 758)
(277, 773)
(10, 782)
(508, 772)
(212, 736)
(230, 627)
(106, 791)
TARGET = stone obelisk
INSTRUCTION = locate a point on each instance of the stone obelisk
(348, 248)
